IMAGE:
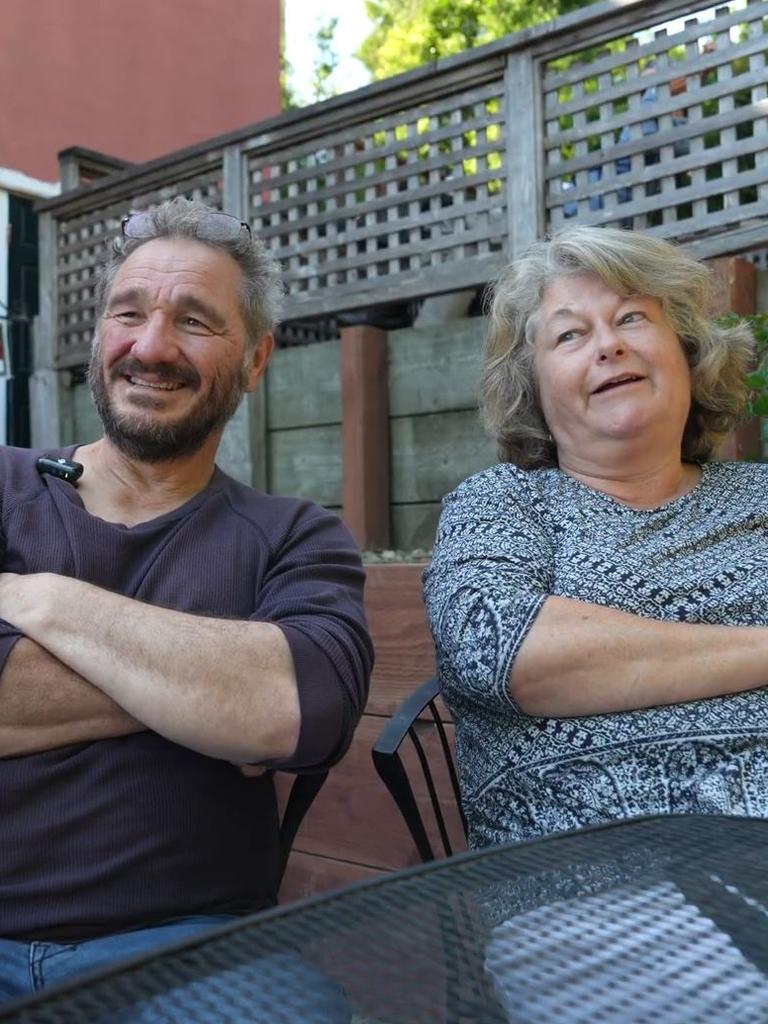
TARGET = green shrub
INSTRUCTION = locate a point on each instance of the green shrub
(757, 380)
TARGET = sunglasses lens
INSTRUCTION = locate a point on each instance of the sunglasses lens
(217, 227)
(220, 228)
(138, 225)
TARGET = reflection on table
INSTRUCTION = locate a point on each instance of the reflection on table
(655, 920)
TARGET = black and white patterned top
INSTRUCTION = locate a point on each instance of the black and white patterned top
(509, 538)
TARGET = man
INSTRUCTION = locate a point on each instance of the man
(163, 625)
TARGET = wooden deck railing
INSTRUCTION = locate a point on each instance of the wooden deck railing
(643, 113)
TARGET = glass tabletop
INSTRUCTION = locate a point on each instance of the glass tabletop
(649, 920)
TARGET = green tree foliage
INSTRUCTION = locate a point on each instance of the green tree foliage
(326, 62)
(757, 381)
(288, 100)
(409, 33)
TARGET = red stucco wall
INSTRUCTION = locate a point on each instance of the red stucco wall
(134, 79)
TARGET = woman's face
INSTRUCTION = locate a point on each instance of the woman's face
(610, 369)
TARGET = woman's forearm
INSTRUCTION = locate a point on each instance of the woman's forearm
(584, 659)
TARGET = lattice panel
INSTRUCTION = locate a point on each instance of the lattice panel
(666, 130)
(82, 243)
(371, 208)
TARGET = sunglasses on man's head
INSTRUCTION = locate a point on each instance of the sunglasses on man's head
(216, 227)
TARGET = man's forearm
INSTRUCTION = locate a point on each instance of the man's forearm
(223, 687)
(584, 659)
(44, 704)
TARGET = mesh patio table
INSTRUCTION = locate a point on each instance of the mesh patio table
(648, 920)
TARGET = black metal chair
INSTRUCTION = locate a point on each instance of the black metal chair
(407, 721)
(303, 791)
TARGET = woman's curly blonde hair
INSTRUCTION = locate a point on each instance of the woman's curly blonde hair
(629, 263)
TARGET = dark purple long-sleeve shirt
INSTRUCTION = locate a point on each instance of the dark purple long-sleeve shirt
(105, 836)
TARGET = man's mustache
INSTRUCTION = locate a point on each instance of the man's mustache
(163, 372)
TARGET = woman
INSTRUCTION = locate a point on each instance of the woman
(599, 600)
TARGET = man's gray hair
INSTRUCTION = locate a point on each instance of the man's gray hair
(261, 299)
(629, 263)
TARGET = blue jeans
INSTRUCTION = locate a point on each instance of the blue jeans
(28, 967)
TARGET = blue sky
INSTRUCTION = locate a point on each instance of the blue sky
(302, 20)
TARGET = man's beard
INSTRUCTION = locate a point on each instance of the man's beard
(137, 435)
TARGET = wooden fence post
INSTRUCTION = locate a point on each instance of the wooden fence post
(243, 452)
(525, 189)
(365, 435)
(46, 394)
(735, 285)
(736, 292)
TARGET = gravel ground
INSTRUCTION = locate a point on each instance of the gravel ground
(417, 556)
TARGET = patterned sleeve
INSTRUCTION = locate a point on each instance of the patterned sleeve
(491, 571)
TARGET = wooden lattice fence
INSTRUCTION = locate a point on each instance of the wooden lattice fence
(387, 203)
(667, 133)
(650, 114)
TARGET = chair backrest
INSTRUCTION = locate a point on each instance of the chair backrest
(303, 791)
(392, 771)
